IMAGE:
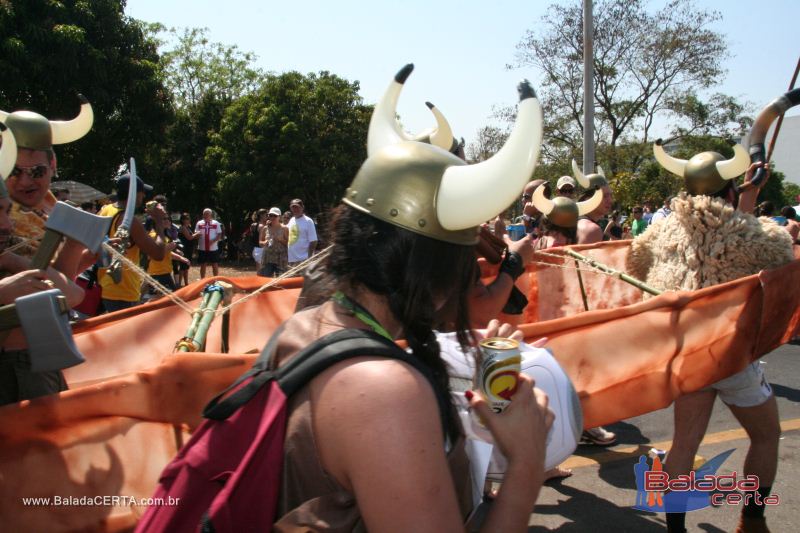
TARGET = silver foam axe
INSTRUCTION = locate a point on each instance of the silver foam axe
(123, 232)
(44, 317)
(67, 221)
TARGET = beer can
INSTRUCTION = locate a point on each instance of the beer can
(498, 370)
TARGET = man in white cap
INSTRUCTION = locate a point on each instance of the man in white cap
(566, 186)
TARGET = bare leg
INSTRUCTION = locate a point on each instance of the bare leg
(692, 413)
(763, 426)
(215, 268)
(202, 271)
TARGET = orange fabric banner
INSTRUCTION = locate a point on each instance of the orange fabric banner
(134, 402)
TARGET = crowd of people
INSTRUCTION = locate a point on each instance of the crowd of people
(620, 223)
(278, 241)
(403, 265)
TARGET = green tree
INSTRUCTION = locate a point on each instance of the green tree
(643, 63)
(197, 69)
(204, 78)
(791, 193)
(53, 50)
(490, 140)
(296, 136)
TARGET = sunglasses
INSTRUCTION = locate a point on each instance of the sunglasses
(35, 172)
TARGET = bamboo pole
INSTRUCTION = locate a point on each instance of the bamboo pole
(611, 272)
(217, 293)
(583, 289)
(196, 317)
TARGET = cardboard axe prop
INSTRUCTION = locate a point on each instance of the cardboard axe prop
(123, 232)
(44, 317)
(67, 221)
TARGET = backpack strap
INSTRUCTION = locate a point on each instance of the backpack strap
(260, 369)
(314, 359)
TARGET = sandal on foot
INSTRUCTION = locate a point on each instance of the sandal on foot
(599, 437)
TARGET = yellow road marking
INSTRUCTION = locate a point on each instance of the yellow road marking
(630, 452)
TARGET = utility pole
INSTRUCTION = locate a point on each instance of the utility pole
(588, 88)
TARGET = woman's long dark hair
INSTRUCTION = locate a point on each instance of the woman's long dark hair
(414, 272)
(546, 227)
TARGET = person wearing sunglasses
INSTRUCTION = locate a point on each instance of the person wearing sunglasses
(28, 182)
(17, 381)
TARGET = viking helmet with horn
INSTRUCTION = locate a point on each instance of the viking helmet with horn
(425, 189)
(707, 172)
(34, 131)
(758, 131)
(388, 128)
(8, 156)
(563, 211)
(590, 181)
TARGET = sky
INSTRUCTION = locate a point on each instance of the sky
(460, 49)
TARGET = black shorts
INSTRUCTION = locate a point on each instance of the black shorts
(204, 258)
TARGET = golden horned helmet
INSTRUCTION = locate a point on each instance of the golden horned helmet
(389, 127)
(590, 181)
(426, 189)
(707, 172)
(563, 211)
(34, 131)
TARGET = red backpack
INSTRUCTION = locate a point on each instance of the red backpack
(227, 477)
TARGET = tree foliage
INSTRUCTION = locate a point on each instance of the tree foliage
(204, 78)
(53, 50)
(296, 136)
(490, 140)
(643, 63)
(197, 69)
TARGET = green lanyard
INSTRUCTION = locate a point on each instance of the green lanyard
(360, 313)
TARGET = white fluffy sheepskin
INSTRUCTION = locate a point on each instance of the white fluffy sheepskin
(705, 242)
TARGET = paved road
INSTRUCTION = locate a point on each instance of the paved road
(598, 497)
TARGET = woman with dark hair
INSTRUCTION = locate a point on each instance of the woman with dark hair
(614, 227)
(367, 446)
(552, 235)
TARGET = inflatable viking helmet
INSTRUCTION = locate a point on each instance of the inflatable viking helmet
(590, 181)
(426, 189)
(8, 156)
(34, 131)
(705, 173)
(563, 211)
(388, 128)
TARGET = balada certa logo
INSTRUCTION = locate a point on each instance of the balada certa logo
(656, 492)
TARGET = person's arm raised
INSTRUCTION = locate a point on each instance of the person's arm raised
(747, 198)
(154, 248)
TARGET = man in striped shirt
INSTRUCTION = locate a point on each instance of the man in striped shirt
(208, 232)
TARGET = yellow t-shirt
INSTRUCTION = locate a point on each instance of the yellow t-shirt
(163, 266)
(129, 288)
